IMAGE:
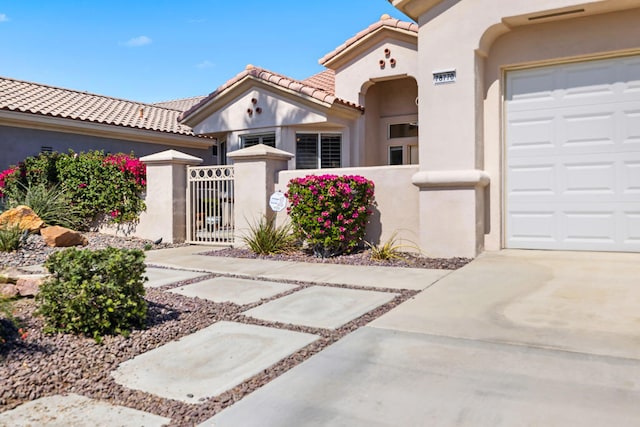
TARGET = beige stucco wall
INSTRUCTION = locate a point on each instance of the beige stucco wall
(464, 133)
(396, 198)
(352, 76)
(276, 111)
(281, 115)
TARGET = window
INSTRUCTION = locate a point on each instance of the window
(396, 155)
(264, 138)
(403, 130)
(315, 150)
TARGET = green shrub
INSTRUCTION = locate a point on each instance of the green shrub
(51, 204)
(104, 185)
(266, 238)
(330, 212)
(11, 237)
(94, 293)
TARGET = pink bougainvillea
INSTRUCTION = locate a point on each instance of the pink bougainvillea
(330, 212)
(129, 166)
(7, 175)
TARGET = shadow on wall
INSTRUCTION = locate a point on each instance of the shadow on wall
(374, 228)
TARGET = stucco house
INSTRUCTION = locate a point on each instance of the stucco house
(38, 118)
(528, 112)
(485, 125)
(535, 143)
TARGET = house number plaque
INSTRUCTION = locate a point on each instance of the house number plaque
(445, 76)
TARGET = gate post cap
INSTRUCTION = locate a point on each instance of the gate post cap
(260, 152)
(171, 157)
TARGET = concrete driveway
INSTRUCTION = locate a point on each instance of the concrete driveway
(515, 338)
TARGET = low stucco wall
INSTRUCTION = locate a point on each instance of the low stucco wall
(396, 198)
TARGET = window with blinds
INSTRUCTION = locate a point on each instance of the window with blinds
(318, 150)
(265, 138)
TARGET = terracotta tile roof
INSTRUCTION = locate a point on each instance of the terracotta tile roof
(325, 80)
(277, 79)
(385, 21)
(39, 99)
(182, 104)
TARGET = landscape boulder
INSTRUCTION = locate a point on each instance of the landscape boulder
(8, 290)
(29, 285)
(61, 237)
(22, 216)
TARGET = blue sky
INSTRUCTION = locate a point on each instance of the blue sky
(152, 51)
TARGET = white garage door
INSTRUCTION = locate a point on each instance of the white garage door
(573, 156)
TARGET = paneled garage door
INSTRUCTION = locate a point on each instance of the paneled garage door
(573, 156)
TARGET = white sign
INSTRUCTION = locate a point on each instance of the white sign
(277, 201)
(445, 76)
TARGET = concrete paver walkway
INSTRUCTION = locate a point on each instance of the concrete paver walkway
(210, 361)
(187, 257)
(231, 289)
(77, 411)
(163, 276)
(320, 306)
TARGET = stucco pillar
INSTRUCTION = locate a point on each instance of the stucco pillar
(166, 196)
(256, 168)
(451, 215)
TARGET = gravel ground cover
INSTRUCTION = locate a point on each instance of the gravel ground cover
(35, 251)
(38, 365)
(363, 257)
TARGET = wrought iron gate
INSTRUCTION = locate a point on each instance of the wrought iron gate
(210, 205)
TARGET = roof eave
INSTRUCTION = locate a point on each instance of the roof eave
(414, 8)
(60, 124)
(335, 60)
(241, 86)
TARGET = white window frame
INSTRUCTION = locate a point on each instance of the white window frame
(408, 143)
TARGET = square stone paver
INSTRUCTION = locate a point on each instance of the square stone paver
(321, 306)
(164, 276)
(74, 410)
(210, 361)
(239, 291)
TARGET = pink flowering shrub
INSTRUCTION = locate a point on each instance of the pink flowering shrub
(8, 176)
(96, 184)
(131, 167)
(330, 212)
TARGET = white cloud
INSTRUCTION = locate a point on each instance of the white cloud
(3, 17)
(205, 64)
(196, 21)
(138, 41)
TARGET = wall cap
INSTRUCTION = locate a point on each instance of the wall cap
(260, 152)
(171, 157)
(451, 178)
